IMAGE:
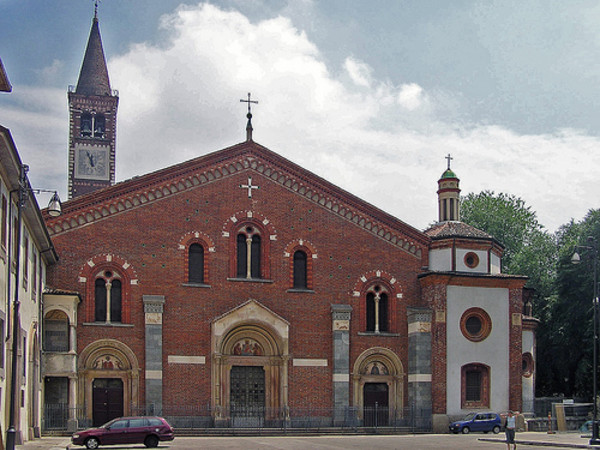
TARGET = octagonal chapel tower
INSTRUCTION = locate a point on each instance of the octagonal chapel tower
(479, 325)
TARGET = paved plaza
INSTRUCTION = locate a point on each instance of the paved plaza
(528, 440)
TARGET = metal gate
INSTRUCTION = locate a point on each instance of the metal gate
(376, 413)
(247, 396)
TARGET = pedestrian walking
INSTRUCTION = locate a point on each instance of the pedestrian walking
(511, 425)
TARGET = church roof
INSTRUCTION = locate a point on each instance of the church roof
(245, 157)
(450, 229)
(93, 77)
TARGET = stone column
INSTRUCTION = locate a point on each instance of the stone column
(153, 311)
(340, 315)
(72, 423)
(419, 364)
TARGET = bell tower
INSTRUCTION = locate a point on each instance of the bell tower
(92, 122)
(449, 195)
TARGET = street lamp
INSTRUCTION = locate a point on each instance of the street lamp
(23, 191)
(576, 259)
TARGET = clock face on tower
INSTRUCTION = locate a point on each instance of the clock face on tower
(91, 163)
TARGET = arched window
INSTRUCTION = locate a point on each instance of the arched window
(100, 300)
(300, 270)
(85, 128)
(475, 386)
(56, 332)
(108, 297)
(196, 264)
(377, 306)
(249, 252)
(99, 125)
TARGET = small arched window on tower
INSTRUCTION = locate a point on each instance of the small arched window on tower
(85, 128)
(249, 252)
(196, 264)
(107, 297)
(300, 270)
(377, 306)
(99, 126)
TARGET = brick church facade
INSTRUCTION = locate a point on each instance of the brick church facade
(239, 288)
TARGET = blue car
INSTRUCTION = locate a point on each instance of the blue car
(484, 422)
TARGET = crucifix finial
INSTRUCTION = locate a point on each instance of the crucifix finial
(249, 116)
(96, 9)
(449, 158)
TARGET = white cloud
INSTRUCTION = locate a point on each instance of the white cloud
(410, 96)
(359, 72)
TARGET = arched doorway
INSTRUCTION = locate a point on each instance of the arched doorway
(378, 387)
(108, 381)
(250, 354)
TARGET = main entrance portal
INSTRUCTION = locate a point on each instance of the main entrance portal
(107, 398)
(376, 401)
(247, 396)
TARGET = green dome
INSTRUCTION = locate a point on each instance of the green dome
(449, 174)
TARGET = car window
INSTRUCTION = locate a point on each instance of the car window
(135, 423)
(479, 417)
(155, 422)
(119, 424)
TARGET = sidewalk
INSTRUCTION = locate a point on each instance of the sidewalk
(564, 440)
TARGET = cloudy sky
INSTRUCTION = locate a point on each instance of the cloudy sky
(369, 95)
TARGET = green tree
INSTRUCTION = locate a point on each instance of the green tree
(570, 351)
(528, 248)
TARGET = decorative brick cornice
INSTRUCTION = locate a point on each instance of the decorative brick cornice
(245, 157)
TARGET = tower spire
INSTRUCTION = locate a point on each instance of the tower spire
(93, 77)
(249, 116)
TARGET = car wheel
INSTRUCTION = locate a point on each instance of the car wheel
(496, 429)
(465, 430)
(151, 441)
(92, 443)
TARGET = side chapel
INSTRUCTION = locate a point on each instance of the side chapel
(238, 286)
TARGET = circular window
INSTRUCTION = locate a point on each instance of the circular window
(471, 260)
(475, 324)
(527, 365)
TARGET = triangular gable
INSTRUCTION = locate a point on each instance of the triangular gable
(247, 156)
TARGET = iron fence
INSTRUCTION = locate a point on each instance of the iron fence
(186, 417)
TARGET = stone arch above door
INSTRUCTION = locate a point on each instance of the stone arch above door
(108, 358)
(379, 365)
(250, 335)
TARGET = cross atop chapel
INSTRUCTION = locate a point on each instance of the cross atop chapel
(449, 158)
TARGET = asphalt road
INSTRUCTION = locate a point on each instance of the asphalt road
(409, 442)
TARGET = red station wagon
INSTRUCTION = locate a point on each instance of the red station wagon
(126, 430)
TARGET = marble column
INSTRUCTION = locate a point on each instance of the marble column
(340, 315)
(419, 364)
(153, 312)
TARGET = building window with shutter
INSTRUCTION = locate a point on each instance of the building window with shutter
(475, 386)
